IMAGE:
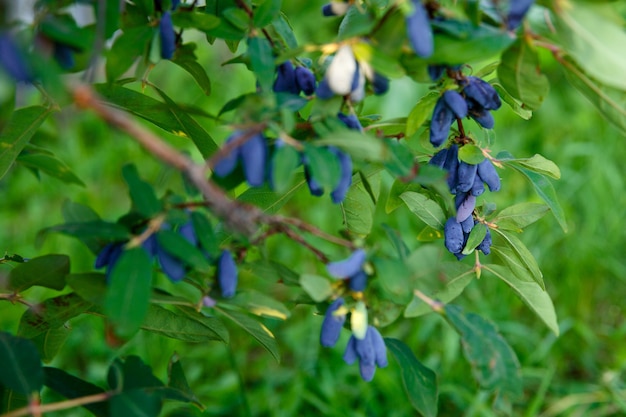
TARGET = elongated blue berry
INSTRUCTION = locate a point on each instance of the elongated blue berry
(286, 79)
(465, 204)
(314, 187)
(485, 245)
(452, 165)
(483, 117)
(347, 267)
(358, 85)
(12, 59)
(227, 274)
(487, 172)
(439, 158)
(254, 158)
(323, 90)
(345, 181)
(419, 32)
(332, 324)
(440, 123)
(482, 93)
(168, 36)
(435, 72)
(305, 80)
(349, 355)
(517, 11)
(456, 103)
(380, 349)
(64, 55)
(227, 164)
(467, 225)
(478, 188)
(351, 121)
(380, 84)
(453, 235)
(358, 281)
(466, 174)
(173, 267)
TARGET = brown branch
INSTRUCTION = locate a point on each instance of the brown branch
(34, 409)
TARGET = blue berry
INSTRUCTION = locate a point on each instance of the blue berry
(227, 274)
(13, 61)
(456, 103)
(487, 172)
(517, 11)
(332, 324)
(305, 80)
(466, 174)
(168, 36)
(254, 158)
(454, 238)
(345, 181)
(286, 79)
(419, 32)
(440, 123)
(380, 84)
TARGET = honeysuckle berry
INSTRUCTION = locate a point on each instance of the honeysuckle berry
(488, 174)
(435, 72)
(466, 174)
(467, 225)
(454, 238)
(380, 84)
(456, 103)
(171, 266)
(64, 55)
(439, 158)
(478, 187)
(13, 61)
(305, 80)
(370, 351)
(314, 187)
(345, 180)
(254, 158)
(485, 245)
(351, 121)
(168, 36)
(440, 123)
(452, 165)
(332, 324)
(108, 256)
(335, 8)
(517, 11)
(227, 274)
(342, 71)
(323, 90)
(419, 32)
(481, 92)
(465, 204)
(286, 79)
(358, 85)
(228, 162)
(482, 117)
(349, 266)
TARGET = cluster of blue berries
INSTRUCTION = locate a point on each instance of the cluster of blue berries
(172, 266)
(365, 344)
(294, 80)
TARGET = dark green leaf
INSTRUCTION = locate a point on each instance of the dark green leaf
(89, 286)
(11, 400)
(72, 387)
(318, 288)
(260, 304)
(177, 382)
(75, 212)
(131, 374)
(257, 330)
(284, 29)
(357, 21)
(196, 70)
(494, 363)
(262, 61)
(179, 247)
(358, 207)
(397, 189)
(425, 209)
(63, 29)
(212, 323)
(50, 165)
(537, 299)
(50, 342)
(18, 131)
(360, 146)
(112, 17)
(269, 269)
(88, 231)
(420, 383)
(142, 194)
(266, 12)
(45, 271)
(395, 238)
(132, 43)
(527, 259)
(178, 325)
(324, 166)
(204, 232)
(21, 365)
(51, 314)
(269, 200)
(284, 162)
(398, 159)
(393, 277)
(195, 20)
(128, 296)
(139, 389)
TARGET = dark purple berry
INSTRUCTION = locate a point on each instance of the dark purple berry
(453, 236)
(227, 274)
(419, 32)
(305, 80)
(168, 36)
(517, 11)
(13, 61)
(466, 175)
(439, 158)
(440, 123)
(286, 79)
(456, 103)
(380, 84)
(487, 172)
(254, 158)
(482, 93)
(332, 324)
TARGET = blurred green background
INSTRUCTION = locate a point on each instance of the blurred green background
(580, 373)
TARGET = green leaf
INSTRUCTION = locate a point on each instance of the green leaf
(358, 206)
(397, 189)
(539, 164)
(90, 286)
(180, 248)
(527, 259)
(395, 238)
(11, 400)
(471, 154)
(128, 296)
(99, 230)
(476, 236)
(519, 74)
(284, 162)
(257, 330)
(178, 325)
(17, 132)
(63, 29)
(268, 200)
(111, 18)
(545, 190)
(204, 232)
(494, 363)
(140, 396)
(262, 61)
(395, 127)
(468, 43)
(420, 382)
(50, 165)
(76, 212)
(610, 102)
(513, 103)
(393, 276)
(178, 382)
(72, 387)
(260, 304)
(530, 293)
(380, 61)
(359, 145)
(425, 209)
(357, 21)
(399, 159)
(318, 288)
(520, 215)
(195, 20)
(21, 365)
(458, 277)
(45, 271)
(132, 43)
(421, 112)
(266, 12)
(284, 29)
(50, 342)
(594, 40)
(324, 166)
(131, 374)
(212, 323)
(194, 69)
(142, 194)
(51, 314)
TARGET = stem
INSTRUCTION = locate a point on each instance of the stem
(62, 405)
(437, 306)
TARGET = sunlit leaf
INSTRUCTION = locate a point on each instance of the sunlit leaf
(257, 330)
(425, 209)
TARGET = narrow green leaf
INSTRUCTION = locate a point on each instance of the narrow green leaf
(97, 231)
(76, 212)
(21, 365)
(130, 374)
(90, 286)
(51, 314)
(398, 159)
(494, 363)
(261, 304)
(284, 29)
(267, 199)
(394, 279)
(359, 145)
(262, 61)
(324, 166)
(195, 20)
(318, 288)
(471, 154)
(520, 215)
(212, 323)
(421, 112)
(524, 255)
(425, 209)
(396, 240)
(140, 396)
(476, 236)
(204, 232)
(142, 194)
(178, 325)
(420, 382)
(179, 247)
(530, 293)
(397, 189)
(132, 43)
(11, 400)
(50, 342)
(45, 271)
(72, 387)
(50, 165)
(539, 164)
(266, 12)
(257, 330)
(513, 103)
(284, 162)
(357, 21)
(519, 74)
(18, 131)
(194, 69)
(545, 190)
(128, 296)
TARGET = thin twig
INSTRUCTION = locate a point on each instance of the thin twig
(313, 230)
(62, 405)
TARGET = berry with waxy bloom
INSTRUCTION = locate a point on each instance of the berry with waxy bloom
(452, 165)
(466, 174)
(305, 80)
(168, 36)
(454, 238)
(108, 256)
(286, 79)
(252, 153)
(419, 32)
(488, 174)
(456, 103)
(335, 8)
(370, 351)
(465, 204)
(380, 84)
(517, 11)
(345, 181)
(440, 123)
(227, 274)
(351, 269)
(13, 61)
(485, 245)
(482, 93)
(439, 159)
(64, 55)
(333, 323)
(351, 121)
